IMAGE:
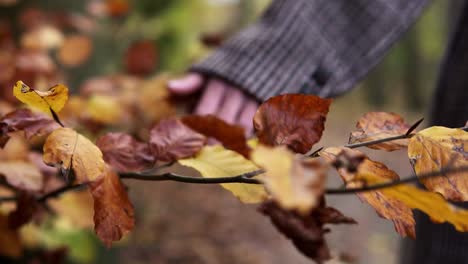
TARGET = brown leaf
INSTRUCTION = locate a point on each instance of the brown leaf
(32, 123)
(171, 140)
(231, 136)
(306, 231)
(386, 207)
(26, 208)
(125, 153)
(295, 183)
(22, 175)
(67, 149)
(141, 57)
(10, 243)
(435, 148)
(294, 120)
(395, 203)
(379, 125)
(113, 212)
(76, 49)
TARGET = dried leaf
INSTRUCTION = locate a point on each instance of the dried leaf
(53, 99)
(104, 109)
(75, 50)
(295, 183)
(22, 175)
(141, 57)
(171, 140)
(33, 124)
(306, 231)
(216, 161)
(68, 149)
(294, 120)
(379, 125)
(435, 148)
(125, 153)
(26, 208)
(113, 212)
(395, 203)
(231, 136)
(10, 244)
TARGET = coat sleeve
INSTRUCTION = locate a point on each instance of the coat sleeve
(321, 47)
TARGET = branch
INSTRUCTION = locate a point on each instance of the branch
(242, 178)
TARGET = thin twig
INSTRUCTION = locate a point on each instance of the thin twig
(243, 178)
(59, 191)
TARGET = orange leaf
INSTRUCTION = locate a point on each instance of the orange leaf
(231, 136)
(294, 120)
(435, 148)
(113, 212)
(10, 244)
(171, 140)
(125, 153)
(75, 50)
(379, 125)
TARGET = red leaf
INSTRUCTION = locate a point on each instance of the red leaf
(141, 57)
(125, 153)
(113, 212)
(171, 140)
(294, 120)
(231, 136)
(32, 123)
(25, 210)
(306, 232)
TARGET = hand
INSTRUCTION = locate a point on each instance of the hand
(219, 98)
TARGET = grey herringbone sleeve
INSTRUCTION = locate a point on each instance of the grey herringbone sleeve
(320, 47)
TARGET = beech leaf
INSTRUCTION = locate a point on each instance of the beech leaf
(295, 183)
(113, 212)
(53, 99)
(216, 161)
(379, 125)
(231, 136)
(22, 175)
(435, 148)
(294, 120)
(306, 231)
(67, 149)
(32, 123)
(125, 153)
(395, 203)
(171, 140)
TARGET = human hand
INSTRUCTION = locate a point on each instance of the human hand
(219, 98)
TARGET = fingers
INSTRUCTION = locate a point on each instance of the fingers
(233, 101)
(211, 99)
(246, 115)
(188, 84)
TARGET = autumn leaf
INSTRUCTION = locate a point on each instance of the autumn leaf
(395, 203)
(295, 183)
(75, 50)
(125, 153)
(231, 136)
(171, 140)
(294, 120)
(67, 149)
(10, 243)
(22, 175)
(104, 109)
(379, 125)
(435, 148)
(113, 212)
(33, 124)
(26, 208)
(216, 161)
(141, 57)
(306, 231)
(53, 99)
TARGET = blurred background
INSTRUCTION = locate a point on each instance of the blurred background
(94, 46)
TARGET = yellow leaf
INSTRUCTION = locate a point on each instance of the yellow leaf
(216, 161)
(437, 147)
(395, 203)
(294, 182)
(105, 109)
(68, 149)
(54, 98)
(76, 207)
